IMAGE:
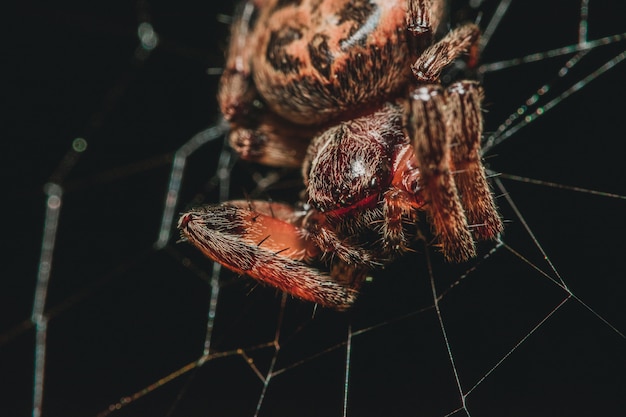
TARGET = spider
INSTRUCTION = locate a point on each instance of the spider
(350, 91)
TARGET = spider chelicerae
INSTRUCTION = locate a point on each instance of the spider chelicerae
(350, 91)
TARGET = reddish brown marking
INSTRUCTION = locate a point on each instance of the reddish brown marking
(367, 202)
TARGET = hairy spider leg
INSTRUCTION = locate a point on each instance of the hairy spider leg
(427, 127)
(402, 201)
(432, 128)
(263, 240)
(462, 40)
(320, 229)
(267, 139)
(423, 16)
(466, 126)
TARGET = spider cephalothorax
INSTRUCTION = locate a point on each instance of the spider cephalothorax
(349, 90)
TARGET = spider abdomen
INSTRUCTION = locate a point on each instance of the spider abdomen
(323, 58)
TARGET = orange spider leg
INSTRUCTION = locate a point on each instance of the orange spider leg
(263, 241)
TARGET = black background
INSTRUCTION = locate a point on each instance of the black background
(125, 315)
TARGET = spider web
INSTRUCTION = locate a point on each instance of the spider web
(103, 313)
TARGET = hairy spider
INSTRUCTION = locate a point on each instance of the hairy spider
(349, 90)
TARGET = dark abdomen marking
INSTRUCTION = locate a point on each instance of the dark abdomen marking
(276, 52)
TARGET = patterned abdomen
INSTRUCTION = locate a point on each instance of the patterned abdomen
(324, 58)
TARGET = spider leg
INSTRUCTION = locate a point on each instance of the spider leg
(401, 201)
(465, 124)
(269, 140)
(263, 240)
(435, 58)
(428, 131)
(423, 16)
(398, 207)
(326, 237)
